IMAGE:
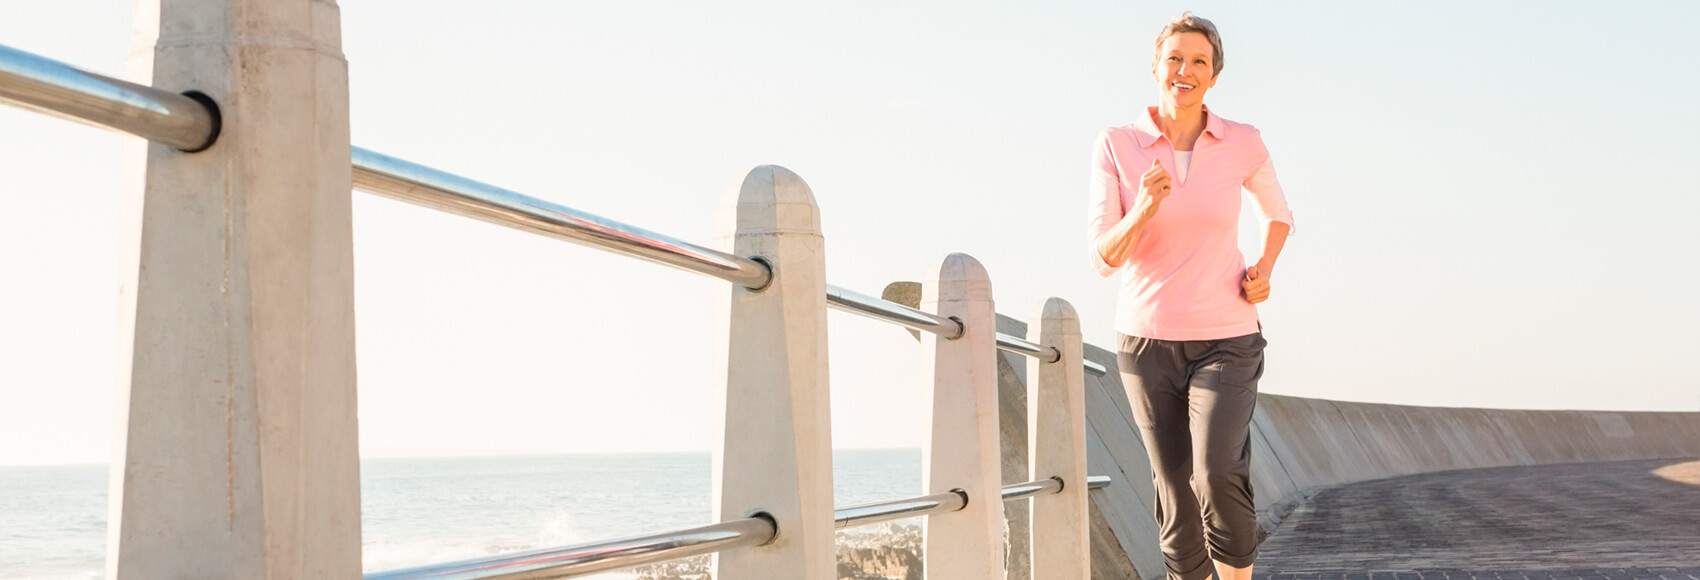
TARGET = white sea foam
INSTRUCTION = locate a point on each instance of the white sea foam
(560, 528)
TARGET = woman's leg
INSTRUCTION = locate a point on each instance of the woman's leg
(1226, 572)
(1222, 396)
(1154, 374)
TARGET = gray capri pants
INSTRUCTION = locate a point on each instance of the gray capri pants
(1193, 402)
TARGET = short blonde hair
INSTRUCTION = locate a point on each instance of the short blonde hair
(1187, 22)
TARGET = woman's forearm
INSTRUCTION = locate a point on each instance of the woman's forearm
(1274, 238)
(1116, 244)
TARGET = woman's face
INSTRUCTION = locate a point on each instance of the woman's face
(1184, 69)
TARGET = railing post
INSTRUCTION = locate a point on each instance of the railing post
(1056, 435)
(236, 449)
(774, 453)
(962, 449)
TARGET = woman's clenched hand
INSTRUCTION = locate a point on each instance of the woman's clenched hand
(1256, 284)
(1153, 187)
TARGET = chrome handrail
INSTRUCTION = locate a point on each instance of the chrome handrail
(61, 90)
(1020, 345)
(189, 123)
(885, 511)
(1033, 488)
(595, 557)
(1048, 354)
(436, 189)
(581, 559)
(417, 184)
(1049, 485)
(873, 513)
(888, 311)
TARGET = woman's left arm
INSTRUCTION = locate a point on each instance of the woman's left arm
(1256, 283)
(1271, 206)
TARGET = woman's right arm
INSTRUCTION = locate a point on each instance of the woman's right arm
(1115, 233)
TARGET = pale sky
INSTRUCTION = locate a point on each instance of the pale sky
(1493, 201)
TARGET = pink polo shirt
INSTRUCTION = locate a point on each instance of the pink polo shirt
(1183, 280)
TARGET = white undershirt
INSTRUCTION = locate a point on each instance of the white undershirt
(1182, 160)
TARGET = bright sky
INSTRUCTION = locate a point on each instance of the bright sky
(1494, 201)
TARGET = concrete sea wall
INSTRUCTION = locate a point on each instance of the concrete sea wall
(1301, 446)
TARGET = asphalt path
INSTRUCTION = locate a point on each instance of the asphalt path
(1587, 521)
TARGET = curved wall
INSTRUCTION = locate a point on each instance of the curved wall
(1303, 445)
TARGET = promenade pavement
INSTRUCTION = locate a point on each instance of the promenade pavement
(1588, 521)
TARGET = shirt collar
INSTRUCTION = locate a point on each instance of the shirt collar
(1146, 131)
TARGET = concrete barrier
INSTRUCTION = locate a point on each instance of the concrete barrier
(1309, 444)
(1300, 446)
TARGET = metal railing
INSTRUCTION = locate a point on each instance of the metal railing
(590, 558)
(440, 190)
(61, 90)
(413, 183)
(424, 186)
(578, 560)
(873, 513)
(191, 122)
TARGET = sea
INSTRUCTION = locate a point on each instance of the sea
(417, 511)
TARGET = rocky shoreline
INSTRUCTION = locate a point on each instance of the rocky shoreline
(889, 551)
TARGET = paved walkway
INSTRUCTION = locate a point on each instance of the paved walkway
(1593, 521)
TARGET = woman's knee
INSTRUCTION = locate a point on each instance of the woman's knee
(1223, 484)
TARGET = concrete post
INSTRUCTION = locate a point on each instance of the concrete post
(962, 449)
(1056, 435)
(236, 452)
(774, 447)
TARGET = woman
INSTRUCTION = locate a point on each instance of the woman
(1165, 206)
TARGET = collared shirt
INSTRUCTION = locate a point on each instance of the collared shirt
(1182, 281)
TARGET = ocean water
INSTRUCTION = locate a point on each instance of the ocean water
(424, 510)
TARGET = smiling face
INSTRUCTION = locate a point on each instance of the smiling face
(1184, 69)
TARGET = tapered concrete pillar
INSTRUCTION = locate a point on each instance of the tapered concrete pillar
(236, 452)
(774, 449)
(1056, 436)
(962, 448)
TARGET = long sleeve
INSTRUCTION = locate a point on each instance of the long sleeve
(1270, 202)
(1104, 202)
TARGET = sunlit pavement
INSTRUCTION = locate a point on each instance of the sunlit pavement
(1589, 521)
